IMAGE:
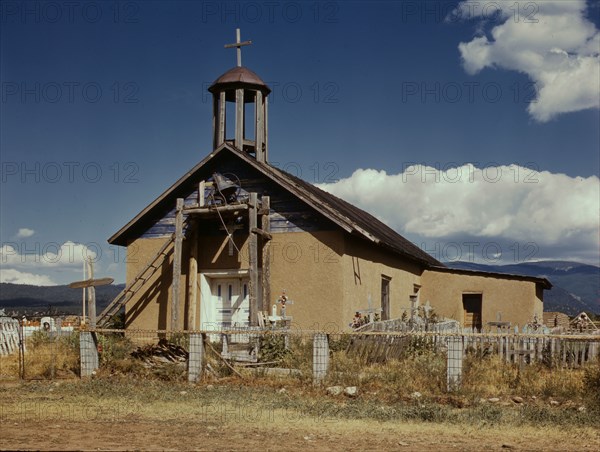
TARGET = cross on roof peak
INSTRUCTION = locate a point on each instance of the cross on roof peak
(238, 44)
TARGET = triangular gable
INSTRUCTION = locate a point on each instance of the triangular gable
(346, 216)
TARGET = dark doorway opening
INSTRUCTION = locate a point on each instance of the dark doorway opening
(472, 310)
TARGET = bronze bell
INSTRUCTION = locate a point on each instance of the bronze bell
(225, 187)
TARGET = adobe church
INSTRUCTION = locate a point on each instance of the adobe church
(217, 248)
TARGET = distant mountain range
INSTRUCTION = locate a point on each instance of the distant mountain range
(576, 286)
(25, 299)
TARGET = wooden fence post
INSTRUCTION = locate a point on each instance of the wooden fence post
(454, 362)
(196, 357)
(320, 357)
(88, 353)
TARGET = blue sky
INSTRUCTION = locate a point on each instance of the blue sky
(465, 126)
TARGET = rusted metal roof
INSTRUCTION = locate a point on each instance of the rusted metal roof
(350, 218)
(240, 76)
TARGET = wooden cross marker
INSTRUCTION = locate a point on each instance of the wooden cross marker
(370, 309)
(239, 46)
(90, 285)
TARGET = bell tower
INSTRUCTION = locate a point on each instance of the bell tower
(240, 96)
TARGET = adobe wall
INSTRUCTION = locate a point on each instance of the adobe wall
(306, 264)
(516, 300)
(363, 267)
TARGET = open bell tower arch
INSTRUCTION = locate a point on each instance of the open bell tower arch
(240, 88)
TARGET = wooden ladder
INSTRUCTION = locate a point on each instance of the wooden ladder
(140, 280)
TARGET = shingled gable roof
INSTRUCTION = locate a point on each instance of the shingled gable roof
(350, 218)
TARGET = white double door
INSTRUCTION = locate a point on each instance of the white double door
(231, 304)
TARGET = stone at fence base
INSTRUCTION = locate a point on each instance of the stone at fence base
(493, 400)
(334, 390)
(554, 403)
(517, 399)
(351, 391)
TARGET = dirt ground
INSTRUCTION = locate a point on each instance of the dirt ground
(52, 416)
(190, 435)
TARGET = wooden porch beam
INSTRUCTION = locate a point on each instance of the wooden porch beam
(266, 255)
(253, 258)
(177, 265)
(265, 235)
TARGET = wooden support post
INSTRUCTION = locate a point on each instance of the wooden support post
(88, 353)
(454, 362)
(320, 357)
(239, 119)
(196, 357)
(259, 133)
(91, 296)
(193, 278)
(221, 120)
(215, 122)
(253, 260)
(266, 255)
(201, 190)
(266, 135)
(175, 298)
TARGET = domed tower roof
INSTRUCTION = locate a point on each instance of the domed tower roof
(239, 77)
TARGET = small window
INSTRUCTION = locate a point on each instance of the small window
(385, 297)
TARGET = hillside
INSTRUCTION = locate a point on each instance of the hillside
(576, 286)
(24, 299)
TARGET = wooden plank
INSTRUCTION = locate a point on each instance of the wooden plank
(209, 211)
(193, 278)
(175, 299)
(239, 119)
(266, 255)
(265, 235)
(259, 130)
(252, 260)
(266, 135)
(91, 283)
(215, 122)
(91, 297)
(222, 111)
(201, 192)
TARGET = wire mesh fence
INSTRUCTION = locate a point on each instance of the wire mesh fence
(431, 359)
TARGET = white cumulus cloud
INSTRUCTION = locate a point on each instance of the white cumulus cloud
(25, 232)
(13, 276)
(550, 41)
(35, 263)
(558, 213)
(48, 254)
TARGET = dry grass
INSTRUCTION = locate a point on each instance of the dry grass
(492, 377)
(386, 391)
(45, 358)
